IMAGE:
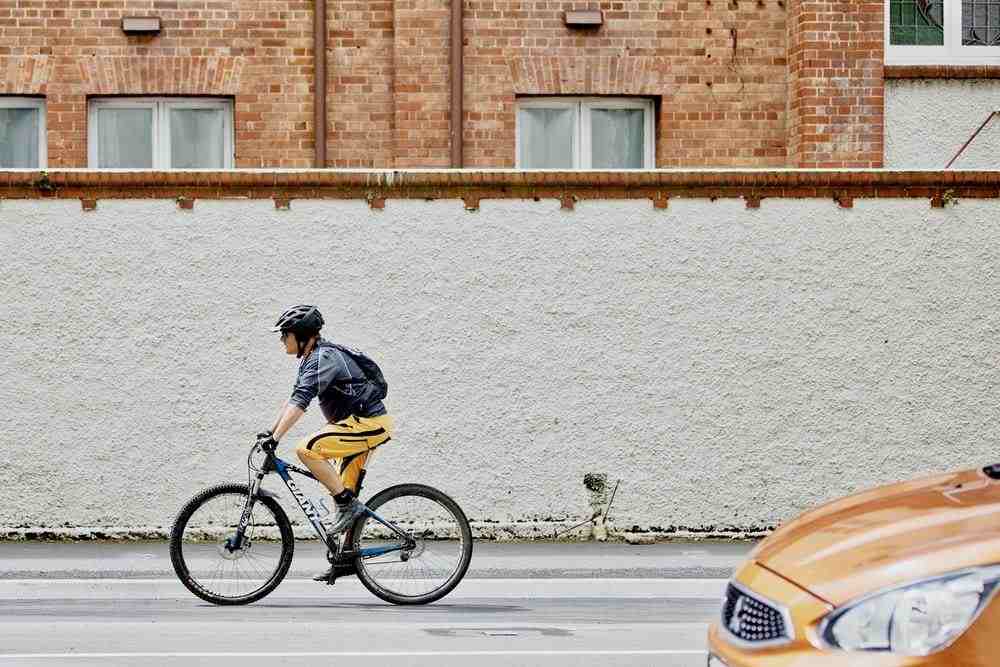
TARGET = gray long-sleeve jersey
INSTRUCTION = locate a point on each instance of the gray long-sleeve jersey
(341, 386)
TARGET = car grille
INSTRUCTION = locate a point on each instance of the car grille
(752, 620)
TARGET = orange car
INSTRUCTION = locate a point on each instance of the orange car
(900, 575)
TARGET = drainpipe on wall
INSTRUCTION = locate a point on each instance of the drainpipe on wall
(319, 96)
(457, 74)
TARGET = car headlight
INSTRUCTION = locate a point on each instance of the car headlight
(915, 619)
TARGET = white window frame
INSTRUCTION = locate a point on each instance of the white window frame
(161, 107)
(32, 103)
(951, 53)
(583, 156)
(547, 103)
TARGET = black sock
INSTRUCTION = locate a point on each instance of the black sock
(344, 497)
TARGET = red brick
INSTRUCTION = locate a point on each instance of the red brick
(388, 74)
(828, 65)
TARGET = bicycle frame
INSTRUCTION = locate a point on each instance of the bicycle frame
(272, 463)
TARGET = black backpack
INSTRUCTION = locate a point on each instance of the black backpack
(373, 374)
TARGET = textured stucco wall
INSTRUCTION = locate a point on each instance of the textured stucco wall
(731, 366)
(928, 120)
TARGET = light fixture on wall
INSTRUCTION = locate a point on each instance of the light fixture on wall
(584, 19)
(141, 25)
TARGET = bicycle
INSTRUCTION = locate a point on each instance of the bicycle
(233, 543)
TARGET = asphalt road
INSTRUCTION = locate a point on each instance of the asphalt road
(101, 615)
(557, 560)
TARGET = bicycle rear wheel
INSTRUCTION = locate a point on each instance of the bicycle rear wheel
(437, 557)
(201, 541)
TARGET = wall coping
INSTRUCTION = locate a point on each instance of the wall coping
(942, 72)
(375, 186)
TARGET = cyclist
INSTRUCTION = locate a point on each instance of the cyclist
(357, 420)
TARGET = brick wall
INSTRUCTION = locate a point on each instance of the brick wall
(742, 83)
(257, 51)
(360, 83)
(421, 73)
(717, 67)
(836, 84)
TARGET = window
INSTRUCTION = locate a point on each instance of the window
(942, 32)
(22, 133)
(584, 133)
(151, 133)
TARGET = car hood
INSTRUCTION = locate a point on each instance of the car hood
(889, 536)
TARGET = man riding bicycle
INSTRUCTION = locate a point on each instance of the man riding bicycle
(357, 420)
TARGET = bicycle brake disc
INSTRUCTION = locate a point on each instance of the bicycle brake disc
(235, 554)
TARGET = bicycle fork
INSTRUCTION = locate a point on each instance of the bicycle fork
(236, 542)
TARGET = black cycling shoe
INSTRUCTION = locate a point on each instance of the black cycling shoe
(328, 577)
(336, 572)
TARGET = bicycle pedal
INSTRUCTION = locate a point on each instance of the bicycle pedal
(329, 581)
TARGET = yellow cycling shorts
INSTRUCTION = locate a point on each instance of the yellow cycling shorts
(349, 440)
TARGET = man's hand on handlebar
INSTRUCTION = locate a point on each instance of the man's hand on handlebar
(266, 441)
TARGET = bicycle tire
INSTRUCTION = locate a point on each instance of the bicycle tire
(182, 569)
(429, 493)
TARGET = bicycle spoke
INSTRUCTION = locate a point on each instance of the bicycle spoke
(431, 564)
(215, 569)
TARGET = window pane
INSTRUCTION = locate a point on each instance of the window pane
(19, 138)
(916, 22)
(617, 138)
(196, 139)
(981, 23)
(546, 138)
(125, 138)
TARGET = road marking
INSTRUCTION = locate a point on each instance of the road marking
(581, 580)
(162, 589)
(348, 654)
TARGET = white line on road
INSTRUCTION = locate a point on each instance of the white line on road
(347, 654)
(172, 589)
(57, 589)
(630, 580)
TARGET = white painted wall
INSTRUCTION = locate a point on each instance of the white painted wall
(731, 366)
(928, 120)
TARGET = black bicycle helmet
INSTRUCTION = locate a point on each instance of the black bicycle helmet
(302, 321)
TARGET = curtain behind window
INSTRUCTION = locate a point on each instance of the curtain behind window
(546, 138)
(616, 137)
(125, 138)
(196, 139)
(19, 138)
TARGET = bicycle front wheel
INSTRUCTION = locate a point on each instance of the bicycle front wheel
(206, 558)
(429, 562)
